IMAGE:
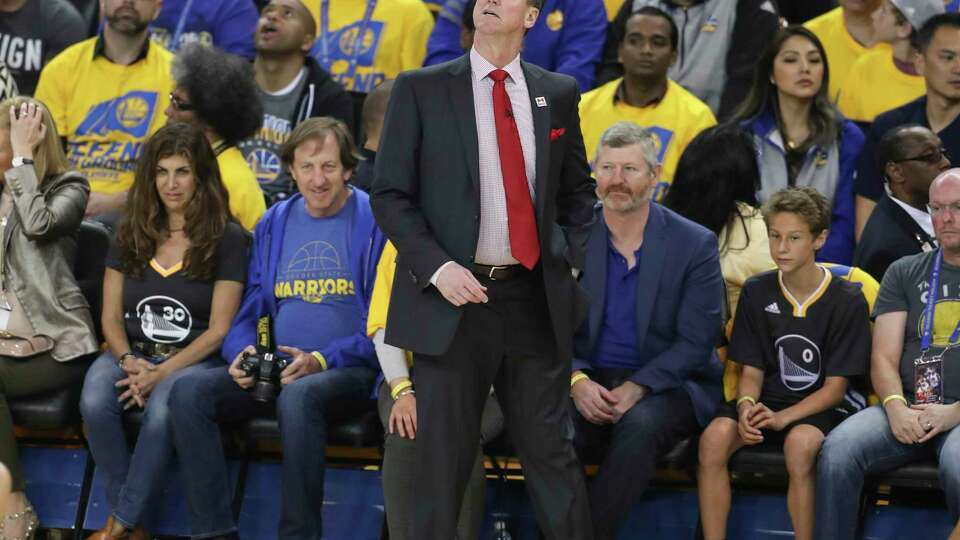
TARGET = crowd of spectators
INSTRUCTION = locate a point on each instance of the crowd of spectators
(766, 172)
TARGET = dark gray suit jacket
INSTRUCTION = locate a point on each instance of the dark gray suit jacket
(426, 197)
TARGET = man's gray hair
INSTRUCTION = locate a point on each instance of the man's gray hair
(626, 133)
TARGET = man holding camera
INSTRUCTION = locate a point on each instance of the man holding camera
(310, 278)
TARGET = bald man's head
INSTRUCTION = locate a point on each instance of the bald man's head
(945, 209)
(285, 26)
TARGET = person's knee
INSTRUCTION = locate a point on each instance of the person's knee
(800, 449)
(716, 439)
(839, 452)
(949, 464)
(295, 398)
(189, 395)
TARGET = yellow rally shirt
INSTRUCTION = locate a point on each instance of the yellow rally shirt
(613, 7)
(675, 120)
(106, 111)
(842, 49)
(393, 40)
(862, 100)
(246, 199)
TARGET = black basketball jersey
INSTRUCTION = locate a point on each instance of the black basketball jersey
(798, 345)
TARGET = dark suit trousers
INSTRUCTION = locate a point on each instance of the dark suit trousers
(509, 343)
(628, 450)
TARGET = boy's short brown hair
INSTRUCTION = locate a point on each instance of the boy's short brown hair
(806, 202)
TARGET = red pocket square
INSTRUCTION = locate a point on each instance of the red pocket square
(557, 133)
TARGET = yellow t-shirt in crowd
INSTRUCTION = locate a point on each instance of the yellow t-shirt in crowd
(613, 7)
(874, 85)
(246, 198)
(675, 120)
(842, 49)
(106, 111)
(394, 40)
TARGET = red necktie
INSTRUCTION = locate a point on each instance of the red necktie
(521, 222)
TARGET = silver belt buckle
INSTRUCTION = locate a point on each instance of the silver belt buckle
(494, 269)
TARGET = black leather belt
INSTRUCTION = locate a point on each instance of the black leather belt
(155, 350)
(499, 273)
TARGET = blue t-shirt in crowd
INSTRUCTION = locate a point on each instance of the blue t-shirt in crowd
(617, 344)
(226, 24)
(315, 291)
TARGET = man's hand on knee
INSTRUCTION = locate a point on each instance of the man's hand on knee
(594, 402)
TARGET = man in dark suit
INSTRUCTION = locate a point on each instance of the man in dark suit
(645, 373)
(482, 184)
(910, 157)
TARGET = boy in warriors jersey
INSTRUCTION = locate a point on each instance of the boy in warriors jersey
(800, 335)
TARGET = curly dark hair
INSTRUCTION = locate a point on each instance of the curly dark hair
(221, 89)
(145, 226)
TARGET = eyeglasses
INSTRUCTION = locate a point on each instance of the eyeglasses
(180, 104)
(938, 209)
(930, 157)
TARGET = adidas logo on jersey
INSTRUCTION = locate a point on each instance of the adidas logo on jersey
(772, 308)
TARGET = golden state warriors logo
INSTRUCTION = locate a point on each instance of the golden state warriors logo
(799, 360)
(130, 113)
(314, 272)
(555, 21)
(351, 44)
(945, 319)
(348, 45)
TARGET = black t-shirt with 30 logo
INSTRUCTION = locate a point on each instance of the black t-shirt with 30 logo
(165, 306)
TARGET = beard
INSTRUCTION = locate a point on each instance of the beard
(621, 204)
(126, 22)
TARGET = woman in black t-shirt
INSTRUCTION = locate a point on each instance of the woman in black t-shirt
(799, 334)
(173, 283)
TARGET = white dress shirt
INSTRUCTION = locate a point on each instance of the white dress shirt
(922, 218)
(493, 244)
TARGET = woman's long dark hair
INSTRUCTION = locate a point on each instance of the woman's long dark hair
(824, 121)
(717, 170)
(145, 226)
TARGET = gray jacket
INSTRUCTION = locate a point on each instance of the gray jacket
(40, 240)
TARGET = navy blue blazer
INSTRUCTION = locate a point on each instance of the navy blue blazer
(679, 307)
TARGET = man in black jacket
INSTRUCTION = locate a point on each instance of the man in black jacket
(719, 44)
(910, 157)
(293, 87)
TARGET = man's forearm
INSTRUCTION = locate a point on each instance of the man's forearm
(885, 378)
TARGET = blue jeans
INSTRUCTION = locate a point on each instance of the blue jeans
(130, 479)
(864, 444)
(304, 407)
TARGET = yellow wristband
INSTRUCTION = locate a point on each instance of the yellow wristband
(746, 398)
(577, 377)
(400, 387)
(892, 397)
(320, 359)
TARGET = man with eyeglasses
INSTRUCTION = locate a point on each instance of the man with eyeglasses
(107, 95)
(910, 157)
(915, 370)
(937, 58)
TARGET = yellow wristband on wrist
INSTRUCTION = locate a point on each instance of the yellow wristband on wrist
(746, 398)
(320, 359)
(400, 387)
(577, 377)
(892, 397)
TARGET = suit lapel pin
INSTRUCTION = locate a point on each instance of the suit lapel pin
(541, 101)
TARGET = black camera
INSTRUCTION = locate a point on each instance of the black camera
(265, 368)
